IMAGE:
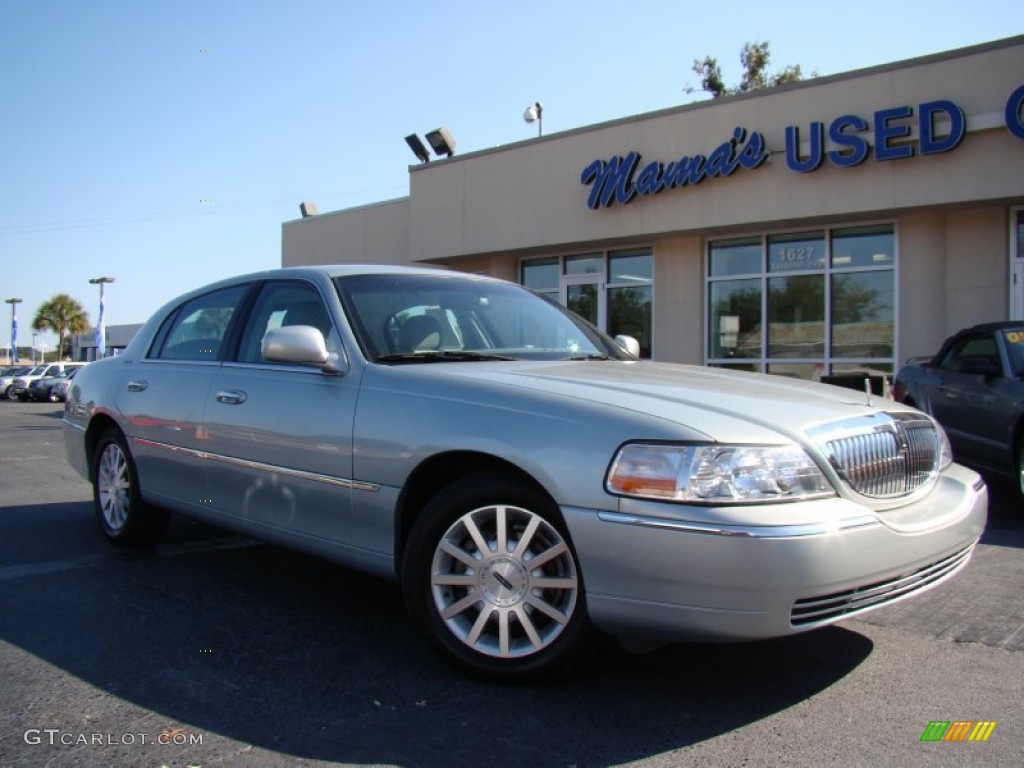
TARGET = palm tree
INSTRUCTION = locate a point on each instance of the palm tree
(61, 314)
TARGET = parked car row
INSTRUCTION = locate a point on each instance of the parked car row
(45, 382)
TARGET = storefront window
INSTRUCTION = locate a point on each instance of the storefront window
(735, 257)
(810, 304)
(542, 276)
(620, 305)
(796, 316)
(735, 326)
(862, 314)
(791, 253)
(591, 264)
(863, 247)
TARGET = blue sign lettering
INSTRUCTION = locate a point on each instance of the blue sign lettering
(612, 180)
(885, 133)
(1014, 116)
(932, 144)
(815, 155)
(855, 147)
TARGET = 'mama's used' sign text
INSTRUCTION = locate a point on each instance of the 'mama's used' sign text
(941, 126)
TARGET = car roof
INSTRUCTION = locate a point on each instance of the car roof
(349, 270)
(993, 326)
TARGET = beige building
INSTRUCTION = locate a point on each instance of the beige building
(842, 223)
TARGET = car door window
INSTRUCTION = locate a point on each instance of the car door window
(198, 329)
(284, 303)
(978, 348)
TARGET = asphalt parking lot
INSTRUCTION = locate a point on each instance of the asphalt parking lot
(214, 650)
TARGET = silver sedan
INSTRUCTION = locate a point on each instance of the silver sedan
(531, 484)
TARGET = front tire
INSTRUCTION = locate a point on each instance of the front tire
(123, 516)
(491, 579)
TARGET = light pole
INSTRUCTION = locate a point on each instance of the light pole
(101, 331)
(14, 328)
(34, 348)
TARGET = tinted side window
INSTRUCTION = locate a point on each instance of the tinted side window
(199, 327)
(974, 347)
(283, 303)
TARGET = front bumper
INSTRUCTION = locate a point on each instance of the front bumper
(666, 577)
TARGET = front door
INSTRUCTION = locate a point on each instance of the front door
(279, 437)
(585, 295)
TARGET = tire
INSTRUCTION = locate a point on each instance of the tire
(123, 516)
(493, 613)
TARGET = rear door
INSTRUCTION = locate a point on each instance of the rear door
(163, 396)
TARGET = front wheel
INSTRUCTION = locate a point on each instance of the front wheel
(123, 516)
(491, 579)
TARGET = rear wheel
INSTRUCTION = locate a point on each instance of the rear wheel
(491, 579)
(123, 516)
(1019, 464)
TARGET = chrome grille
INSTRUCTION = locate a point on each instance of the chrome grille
(810, 611)
(884, 455)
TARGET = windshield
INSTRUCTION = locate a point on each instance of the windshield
(427, 318)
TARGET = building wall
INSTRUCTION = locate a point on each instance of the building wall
(678, 305)
(372, 234)
(487, 211)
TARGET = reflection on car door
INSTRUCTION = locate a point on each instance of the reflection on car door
(280, 436)
(976, 410)
(162, 398)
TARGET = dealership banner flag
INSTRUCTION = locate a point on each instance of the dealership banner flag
(14, 335)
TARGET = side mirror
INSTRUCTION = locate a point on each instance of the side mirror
(298, 345)
(629, 344)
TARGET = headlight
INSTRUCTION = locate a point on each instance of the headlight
(722, 474)
(946, 451)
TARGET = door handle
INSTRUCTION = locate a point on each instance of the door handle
(137, 386)
(231, 396)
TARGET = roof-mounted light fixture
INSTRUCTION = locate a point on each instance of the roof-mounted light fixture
(535, 112)
(417, 147)
(441, 141)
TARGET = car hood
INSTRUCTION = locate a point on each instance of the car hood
(723, 405)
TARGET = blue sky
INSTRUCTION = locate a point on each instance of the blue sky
(164, 143)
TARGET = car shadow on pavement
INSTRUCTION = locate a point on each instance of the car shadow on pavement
(294, 655)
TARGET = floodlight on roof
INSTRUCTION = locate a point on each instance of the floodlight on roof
(417, 147)
(441, 141)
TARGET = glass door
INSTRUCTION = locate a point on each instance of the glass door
(584, 295)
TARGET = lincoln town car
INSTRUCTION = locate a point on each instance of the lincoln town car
(532, 486)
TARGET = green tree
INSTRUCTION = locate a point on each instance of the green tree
(754, 57)
(62, 315)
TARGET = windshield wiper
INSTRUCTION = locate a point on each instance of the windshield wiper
(590, 356)
(447, 355)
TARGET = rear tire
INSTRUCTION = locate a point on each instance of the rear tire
(1018, 455)
(123, 516)
(491, 579)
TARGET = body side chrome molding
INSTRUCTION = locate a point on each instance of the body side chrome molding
(317, 477)
(749, 532)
